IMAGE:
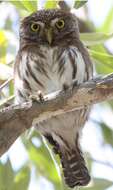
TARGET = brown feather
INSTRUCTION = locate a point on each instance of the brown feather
(50, 67)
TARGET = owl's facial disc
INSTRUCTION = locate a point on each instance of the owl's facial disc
(49, 28)
(49, 35)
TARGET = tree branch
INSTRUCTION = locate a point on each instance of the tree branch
(15, 119)
(6, 83)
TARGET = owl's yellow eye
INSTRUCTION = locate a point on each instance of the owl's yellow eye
(35, 27)
(60, 24)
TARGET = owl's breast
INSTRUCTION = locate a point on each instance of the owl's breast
(57, 68)
(47, 69)
(61, 65)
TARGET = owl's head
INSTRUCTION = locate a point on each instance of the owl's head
(49, 27)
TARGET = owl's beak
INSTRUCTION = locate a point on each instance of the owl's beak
(49, 35)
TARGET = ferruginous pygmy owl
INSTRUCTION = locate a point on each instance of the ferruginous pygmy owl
(51, 56)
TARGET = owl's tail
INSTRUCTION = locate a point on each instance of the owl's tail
(74, 169)
(73, 163)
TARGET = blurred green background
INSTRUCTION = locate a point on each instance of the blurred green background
(29, 164)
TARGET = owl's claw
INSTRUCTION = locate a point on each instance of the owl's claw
(33, 97)
(38, 97)
(65, 86)
(75, 83)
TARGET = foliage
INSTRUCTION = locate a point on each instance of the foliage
(13, 180)
(40, 157)
(79, 4)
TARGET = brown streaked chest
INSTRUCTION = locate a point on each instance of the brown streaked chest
(47, 69)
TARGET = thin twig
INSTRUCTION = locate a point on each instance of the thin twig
(10, 63)
(6, 83)
(7, 102)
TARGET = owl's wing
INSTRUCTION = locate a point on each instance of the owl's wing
(20, 93)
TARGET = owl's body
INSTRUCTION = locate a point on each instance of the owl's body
(47, 65)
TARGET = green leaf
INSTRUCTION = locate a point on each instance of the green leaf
(31, 6)
(107, 25)
(79, 3)
(11, 88)
(99, 184)
(2, 37)
(18, 4)
(41, 158)
(6, 176)
(22, 179)
(3, 46)
(107, 133)
(51, 4)
(45, 165)
(8, 24)
(103, 60)
(91, 39)
(28, 5)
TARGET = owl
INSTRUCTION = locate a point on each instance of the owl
(50, 57)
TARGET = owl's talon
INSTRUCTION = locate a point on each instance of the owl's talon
(75, 83)
(65, 86)
(34, 98)
(40, 95)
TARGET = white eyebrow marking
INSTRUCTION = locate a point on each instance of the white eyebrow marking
(54, 21)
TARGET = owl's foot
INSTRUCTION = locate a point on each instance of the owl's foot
(75, 83)
(65, 86)
(41, 96)
(38, 97)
